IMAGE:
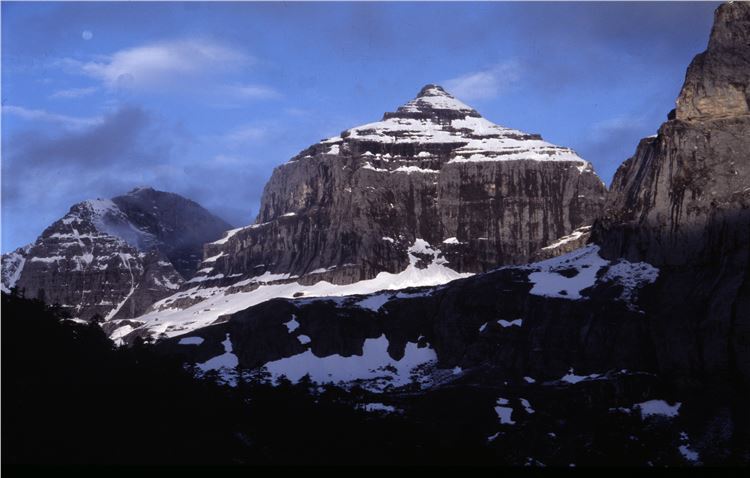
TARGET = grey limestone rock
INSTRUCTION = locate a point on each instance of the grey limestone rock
(349, 206)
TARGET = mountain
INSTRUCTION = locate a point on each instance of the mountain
(650, 318)
(113, 257)
(351, 206)
(432, 193)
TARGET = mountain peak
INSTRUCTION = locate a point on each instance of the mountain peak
(717, 82)
(432, 90)
(434, 102)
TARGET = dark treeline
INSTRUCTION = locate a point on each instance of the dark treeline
(71, 396)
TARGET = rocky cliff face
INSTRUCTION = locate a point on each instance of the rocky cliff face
(350, 206)
(111, 257)
(690, 182)
(683, 203)
(716, 84)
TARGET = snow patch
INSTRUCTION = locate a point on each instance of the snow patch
(377, 407)
(213, 258)
(566, 276)
(292, 324)
(573, 236)
(527, 406)
(549, 281)
(504, 413)
(225, 360)
(414, 169)
(689, 454)
(572, 378)
(228, 235)
(659, 408)
(374, 363)
(304, 339)
(191, 341)
(374, 302)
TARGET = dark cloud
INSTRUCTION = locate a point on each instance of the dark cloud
(45, 171)
(109, 142)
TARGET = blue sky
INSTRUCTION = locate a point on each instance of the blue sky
(205, 99)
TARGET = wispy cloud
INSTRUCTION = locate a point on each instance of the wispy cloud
(37, 115)
(252, 92)
(199, 67)
(485, 84)
(125, 147)
(164, 64)
(73, 93)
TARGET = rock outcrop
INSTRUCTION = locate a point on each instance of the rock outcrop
(349, 207)
(112, 258)
(717, 80)
(682, 203)
(571, 242)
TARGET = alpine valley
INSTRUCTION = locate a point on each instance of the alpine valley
(468, 282)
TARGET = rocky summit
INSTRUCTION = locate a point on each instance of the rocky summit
(113, 258)
(351, 206)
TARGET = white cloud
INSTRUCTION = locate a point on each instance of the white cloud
(485, 84)
(252, 92)
(48, 117)
(73, 93)
(164, 64)
(201, 68)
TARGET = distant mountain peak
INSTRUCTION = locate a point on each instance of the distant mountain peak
(104, 253)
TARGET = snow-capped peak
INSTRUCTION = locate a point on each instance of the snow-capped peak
(437, 120)
(435, 98)
(106, 218)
